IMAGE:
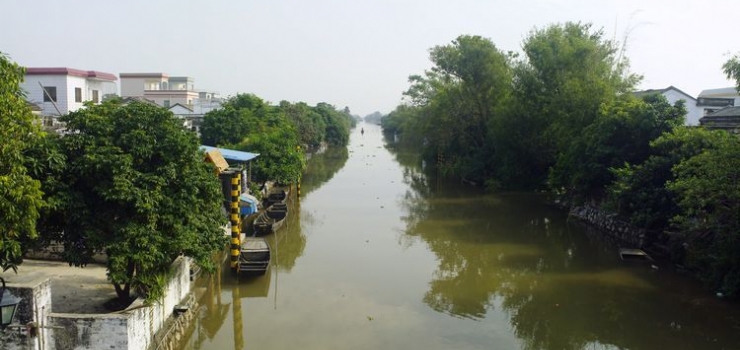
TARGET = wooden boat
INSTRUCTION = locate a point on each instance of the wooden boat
(632, 254)
(271, 219)
(277, 195)
(255, 255)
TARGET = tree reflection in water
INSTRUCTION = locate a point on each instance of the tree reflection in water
(559, 287)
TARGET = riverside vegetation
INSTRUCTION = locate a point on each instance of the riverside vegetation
(563, 117)
(128, 181)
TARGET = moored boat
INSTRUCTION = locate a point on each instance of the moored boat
(255, 255)
(277, 195)
(271, 219)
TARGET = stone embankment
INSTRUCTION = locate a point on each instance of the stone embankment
(619, 229)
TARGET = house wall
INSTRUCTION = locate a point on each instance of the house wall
(65, 85)
(183, 97)
(132, 87)
(693, 113)
(135, 86)
(72, 83)
(104, 87)
(35, 94)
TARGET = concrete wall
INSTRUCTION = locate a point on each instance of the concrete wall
(36, 305)
(134, 328)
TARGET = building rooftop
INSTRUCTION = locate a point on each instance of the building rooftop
(230, 154)
(90, 74)
(725, 112)
(660, 91)
(718, 92)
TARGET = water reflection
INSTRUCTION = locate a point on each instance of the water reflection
(321, 168)
(559, 288)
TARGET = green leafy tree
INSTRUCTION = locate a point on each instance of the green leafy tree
(621, 134)
(569, 72)
(20, 194)
(337, 124)
(138, 191)
(639, 190)
(281, 157)
(238, 117)
(731, 68)
(309, 124)
(707, 187)
(457, 101)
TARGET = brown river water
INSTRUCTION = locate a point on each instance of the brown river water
(375, 255)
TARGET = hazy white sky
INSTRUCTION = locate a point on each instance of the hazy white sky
(356, 53)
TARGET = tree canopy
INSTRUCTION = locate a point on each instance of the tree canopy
(280, 134)
(20, 194)
(138, 190)
(564, 117)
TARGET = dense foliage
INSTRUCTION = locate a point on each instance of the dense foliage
(136, 188)
(20, 194)
(280, 134)
(564, 117)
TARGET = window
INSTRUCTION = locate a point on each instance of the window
(166, 103)
(50, 94)
(95, 98)
(78, 94)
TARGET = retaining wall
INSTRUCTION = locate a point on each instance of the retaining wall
(133, 328)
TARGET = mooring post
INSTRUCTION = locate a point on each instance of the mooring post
(235, 219)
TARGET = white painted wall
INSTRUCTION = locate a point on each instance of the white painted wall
(65, 85)
(132, 87)
(693, 113)
(72, 83)
(35, 94)
(183, 97)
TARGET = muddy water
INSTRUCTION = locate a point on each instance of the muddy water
(380, 257)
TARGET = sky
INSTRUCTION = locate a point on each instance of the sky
(350, 53)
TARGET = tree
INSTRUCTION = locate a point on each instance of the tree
(238, 117)
(639, 190)
(281, 157)
(570, 71)
(20, 194)
(620, 134)
(731, 68)
(138, 191)
(457, 101)
(707, 187)
(337, 124)
(309, 124)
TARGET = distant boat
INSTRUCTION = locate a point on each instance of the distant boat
(633, 254)
(255, 255)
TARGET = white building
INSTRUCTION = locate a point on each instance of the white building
(59, 91)
(164, 90)
(712, 100)
(673, 94)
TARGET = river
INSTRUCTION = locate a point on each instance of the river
(381, 257)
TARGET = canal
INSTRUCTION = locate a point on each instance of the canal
(381, 257)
